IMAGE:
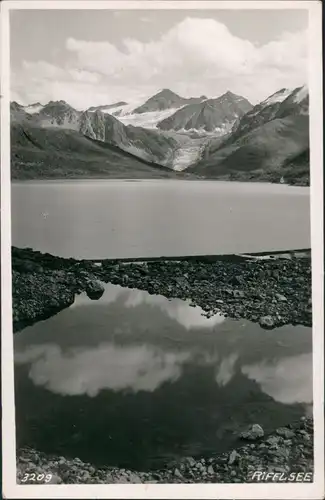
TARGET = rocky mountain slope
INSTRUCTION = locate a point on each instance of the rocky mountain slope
(270, 142)
(212, 115)
(164, 100)
(146, 144)
(33, 108)
(283, 103)
(58, 114)
(18, 113)
(54, 152)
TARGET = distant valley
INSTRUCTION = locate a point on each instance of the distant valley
(166, 136)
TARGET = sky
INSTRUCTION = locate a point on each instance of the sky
(96, 57)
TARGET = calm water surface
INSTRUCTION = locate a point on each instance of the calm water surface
(136, 380)
(116, 219)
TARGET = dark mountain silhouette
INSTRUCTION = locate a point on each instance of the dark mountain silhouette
(45, 153)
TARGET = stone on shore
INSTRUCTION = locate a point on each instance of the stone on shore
(267, 322)
(94, 290)
(254, 432)
(233, 457)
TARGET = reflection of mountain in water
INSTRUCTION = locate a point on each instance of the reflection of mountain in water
(180, 310)
(138, 376)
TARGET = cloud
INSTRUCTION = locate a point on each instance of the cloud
(177, 309)
(288, 381)
(196, 56)
(88, 370)
(226, 370)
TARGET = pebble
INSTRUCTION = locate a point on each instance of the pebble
(232, 457)
(178, 474)
(210, 470)
(285, 432)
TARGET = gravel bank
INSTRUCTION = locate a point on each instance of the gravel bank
(272, 292)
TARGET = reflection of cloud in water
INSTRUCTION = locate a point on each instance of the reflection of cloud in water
(112, 292)
(288, 381)
(177, 309)
(87, 371)
(226, 370)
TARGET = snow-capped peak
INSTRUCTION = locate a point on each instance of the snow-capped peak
(301, 94)
(279, 96)
(33, 108)
(119, 109)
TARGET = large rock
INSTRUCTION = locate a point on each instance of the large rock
(254, 432)
(267, 322)
(94, 290)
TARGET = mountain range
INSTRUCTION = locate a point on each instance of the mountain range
(219, 138)
(148, 145)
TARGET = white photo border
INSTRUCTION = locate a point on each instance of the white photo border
(315, 490)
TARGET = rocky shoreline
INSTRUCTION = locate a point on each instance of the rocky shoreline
(285, 454)
(271, 291)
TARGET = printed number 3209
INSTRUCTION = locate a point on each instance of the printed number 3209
(36, 477)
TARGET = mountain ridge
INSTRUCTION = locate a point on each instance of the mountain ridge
(264, 144)
(148, 145)
(210, 115)
(166, 99)
(46, 153)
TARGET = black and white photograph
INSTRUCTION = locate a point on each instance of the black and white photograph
(162, 292)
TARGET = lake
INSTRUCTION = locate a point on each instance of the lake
(120, 219)
(137, 380)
